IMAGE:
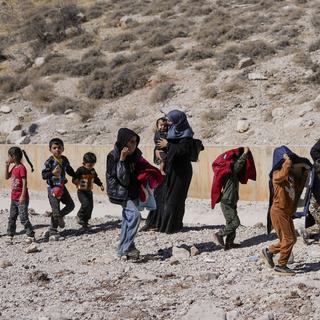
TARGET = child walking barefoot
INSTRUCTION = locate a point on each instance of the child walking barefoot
(19, 193)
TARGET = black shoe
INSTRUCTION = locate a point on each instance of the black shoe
(229, 246)
(218, 238)
(268, 257)
(283, 271)
(133, 254)
(144, 228)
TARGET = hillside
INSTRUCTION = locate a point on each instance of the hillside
(82, 69)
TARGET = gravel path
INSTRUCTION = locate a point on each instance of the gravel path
(81, 278)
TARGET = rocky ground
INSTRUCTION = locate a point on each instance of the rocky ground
(81, 278)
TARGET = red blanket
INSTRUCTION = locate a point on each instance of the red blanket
(147, 173)
(222, 167)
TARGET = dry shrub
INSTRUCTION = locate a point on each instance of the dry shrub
(227, 61)
(304, 60)
(49, 23)
(42, 93)
(196, 54)
(82, 41)
(96, 90)
(129, 78)
(86, 110)
(207, 132)
(232, 86)
(61, 104)
(10, 84)
(55, 63)
(94, 52)
(209, 92)
(120, 42)
(158, 39)
(86, 66)
(60, 64)
(130, 114)
(213, 115)
(162, 92)
(97, 10)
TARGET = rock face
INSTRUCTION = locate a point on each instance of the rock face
(14, 136)
(38, 62)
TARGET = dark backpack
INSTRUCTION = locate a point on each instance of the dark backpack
(197, 147)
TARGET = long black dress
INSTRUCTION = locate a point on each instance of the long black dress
(178, 178)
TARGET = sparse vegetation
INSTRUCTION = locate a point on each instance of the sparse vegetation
(210, 92)
(162, 92)
(82, 41)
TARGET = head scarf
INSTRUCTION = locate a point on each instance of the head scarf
(180, 127)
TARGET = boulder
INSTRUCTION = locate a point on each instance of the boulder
(38, 62)
(180, 253)
(256, 76)
(194, 251)
(32, 249)
(14, 136)
(8, 126)
(243, 125)
(5, 109)
(245, 62)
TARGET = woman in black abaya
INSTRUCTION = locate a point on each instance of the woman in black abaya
(178, 171)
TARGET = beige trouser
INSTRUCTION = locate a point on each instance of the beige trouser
(283, 224)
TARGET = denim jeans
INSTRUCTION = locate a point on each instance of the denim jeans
(22, 211)
(129, 227)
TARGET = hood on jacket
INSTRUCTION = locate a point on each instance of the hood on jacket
(124, 135)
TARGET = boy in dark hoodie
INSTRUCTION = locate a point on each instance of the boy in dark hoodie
(123, 188)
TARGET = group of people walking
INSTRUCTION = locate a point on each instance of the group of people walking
(135, 184)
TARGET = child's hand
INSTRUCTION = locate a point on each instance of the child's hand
(8, 162)
(102, 188)
(246, 150)
(56, 171)
(22, 199)
(124, 153)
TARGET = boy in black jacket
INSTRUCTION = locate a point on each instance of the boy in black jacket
(55, 169)
(84, 178)
(123, 188)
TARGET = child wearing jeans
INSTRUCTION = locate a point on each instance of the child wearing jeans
(84, 178)
(160, 154)
(19, 194)
(123, 188)
(54, 172)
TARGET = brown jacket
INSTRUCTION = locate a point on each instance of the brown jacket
(287, 189)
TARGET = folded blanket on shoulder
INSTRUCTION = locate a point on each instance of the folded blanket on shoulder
(222, 167)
